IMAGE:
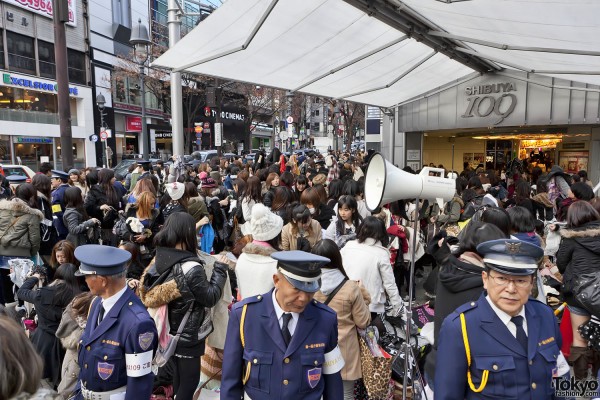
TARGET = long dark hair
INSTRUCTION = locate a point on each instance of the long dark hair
(70, 285)
(180, 227)
(350, 202)
(74, 199)
(335, 189)
(28, 194)
(43, 184)
(105, 176)
(373, 228)
(328, 248)
(253, 190)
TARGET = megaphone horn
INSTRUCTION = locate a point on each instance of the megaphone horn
(384, 183)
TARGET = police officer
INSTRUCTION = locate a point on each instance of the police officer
(119, 340)
(506, 344)
(59, 181)
(284, 344)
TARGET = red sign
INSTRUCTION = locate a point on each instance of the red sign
(133, 124)
(103, 135)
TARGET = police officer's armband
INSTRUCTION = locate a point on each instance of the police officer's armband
(139, 364)
(484, 377)
(56, 208)
(334, 362)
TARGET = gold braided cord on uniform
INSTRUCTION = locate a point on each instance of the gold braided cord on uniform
(484, 377)
(249, 366)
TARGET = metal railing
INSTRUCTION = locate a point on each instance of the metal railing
(39, 117)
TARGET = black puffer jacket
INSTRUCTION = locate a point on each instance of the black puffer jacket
(578, 253)
(96, 198)
(458, 282)
(164, 282)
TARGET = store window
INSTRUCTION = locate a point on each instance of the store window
(28, 106)
(47, 60)
(127, 90)
(76, 66)
(78, 153)
(32, 151)
(21, 54)
(5, 150)
(498, 153)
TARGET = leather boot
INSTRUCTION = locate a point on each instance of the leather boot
(595, 361)
(579, 360)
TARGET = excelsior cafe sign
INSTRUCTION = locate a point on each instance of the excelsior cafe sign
(34, 84)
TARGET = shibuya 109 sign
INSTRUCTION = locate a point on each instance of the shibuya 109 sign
(495, 100)
(44, 7)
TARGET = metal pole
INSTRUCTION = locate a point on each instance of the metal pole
(407, 352)
(174, 24)
(104, 158)
(145, 141)
(62, 81)
(452, 157)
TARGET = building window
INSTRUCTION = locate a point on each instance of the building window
(1, 50)
(76, 66)
(121, 10)
(47, 60)
(21, 55)
(316, 113)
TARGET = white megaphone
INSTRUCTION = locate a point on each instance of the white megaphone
(384, 183)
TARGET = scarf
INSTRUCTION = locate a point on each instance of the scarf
(330, 279)
(472, 258)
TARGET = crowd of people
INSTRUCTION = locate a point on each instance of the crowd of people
(194, 239)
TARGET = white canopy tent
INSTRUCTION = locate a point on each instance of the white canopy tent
(385, 52)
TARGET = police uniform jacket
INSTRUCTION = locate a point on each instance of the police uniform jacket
(118, 352)
(298, 371)
(58, 210)
(513, 373)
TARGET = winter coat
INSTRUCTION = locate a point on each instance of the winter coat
(48, 234)
(77, 226)
(254, 270)
(451, 211)
(19, 228)
(326, 213)
(49, 302)
(543, 207)
(69, 332)
(578, 253)
(369, 262)
(154, 223)
(289, 239)
(94, 200)
(351, 305)
(171, 208)
(459, 282)
(197, 208)
(165, 282)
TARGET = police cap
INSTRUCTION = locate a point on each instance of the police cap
(63, 176)
(301, 269)
(511, 256)
(96, 259)
(16, 179)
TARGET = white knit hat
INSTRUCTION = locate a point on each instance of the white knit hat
(264, 225)
(175, 190)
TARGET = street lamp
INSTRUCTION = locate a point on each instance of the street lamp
(100, 102)
(140, 40)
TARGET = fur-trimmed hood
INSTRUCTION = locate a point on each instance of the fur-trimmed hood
(253, 248)
(586, 236)
(19, 207)
(155, 295)
(543, 199)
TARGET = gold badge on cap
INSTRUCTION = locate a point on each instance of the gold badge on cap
(513, 248)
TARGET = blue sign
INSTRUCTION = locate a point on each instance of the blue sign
(27, 139)
(33, 84)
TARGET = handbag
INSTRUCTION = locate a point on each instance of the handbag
(586, 289)
(163, 353)
(376, 371)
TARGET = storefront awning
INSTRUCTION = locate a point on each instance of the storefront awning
(385, 52)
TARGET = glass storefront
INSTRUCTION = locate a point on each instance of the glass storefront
(32, 151)
(498, 153)
(25, 105)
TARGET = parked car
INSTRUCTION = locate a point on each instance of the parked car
(122, 167)
(20, 170)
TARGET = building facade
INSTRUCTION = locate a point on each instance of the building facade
(29, 126)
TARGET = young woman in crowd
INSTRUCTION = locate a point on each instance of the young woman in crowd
(255, 267)
(578, 254)
(250, 197)
(103, 203)
(318, 210)
(49, 302)
(271, 183)
(351, 304)
(174, 200)
(334, 192)
(75, 218)
(302, 232)
(19, 232)
(300, 185)
(346, 223)
(523, 225)
(367, 259)
(177, 278)
(76, 179)
(282, 204)
(48, 234)
(150, 218)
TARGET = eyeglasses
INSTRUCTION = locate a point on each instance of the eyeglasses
(519, 282)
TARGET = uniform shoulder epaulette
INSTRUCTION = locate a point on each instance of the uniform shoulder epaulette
(322, 306)
(466, 307)
(250, 300)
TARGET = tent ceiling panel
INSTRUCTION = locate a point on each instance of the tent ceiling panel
(301, 41)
